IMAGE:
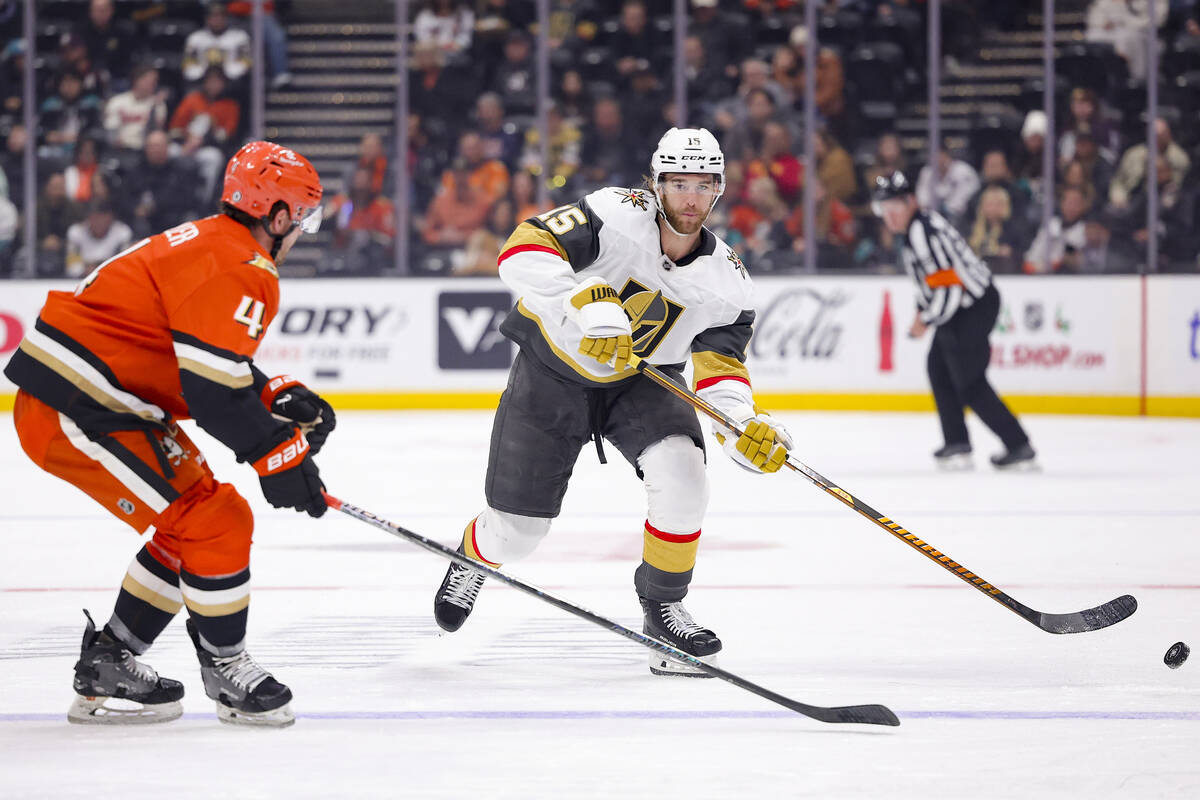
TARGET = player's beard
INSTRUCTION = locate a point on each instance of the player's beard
(683, 225)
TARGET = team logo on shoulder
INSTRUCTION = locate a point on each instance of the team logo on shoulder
(636, 197)
(262, 262)
(651, 316)
(736, 260)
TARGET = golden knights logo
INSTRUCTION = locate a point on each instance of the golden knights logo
(636, 197)
(650, 315)
(737, 263)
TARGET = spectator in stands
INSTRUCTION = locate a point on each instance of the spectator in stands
(634, 45)
(725, 37)
(835, 167)
(456, 211)
(1086, 117)
(996, 234)
(564, 147)
(1027, 166)
(274, 39)
(217, 44)
(374, 159)
(515, 78)
(447, 24)
(607, 145)
(160, 191)
(836, 231)
(743, 138)
(1075, 176)
(437, 93)
(996, 172)
(205, 125)
(1097, 169)
(707, 82)
(644, 105)
(1131, 172)
(776, 161)
(12, 162)
(95, 239)
(73, 57)
(55, 214)
(65, 116)
(1176, 239)
(487, 177)
(496, 19)
(364, 225)
(12, 75)
(786, 73)
(830, 84)
(889, 158)
(110, 42)
(769, 233)
(130, 115)
(501, 140)
(1065, 235)
(483, 245)
(84, 170)
(9, 219)
(1123, 24)
(573, 97)
(951, 190)
(524, 196)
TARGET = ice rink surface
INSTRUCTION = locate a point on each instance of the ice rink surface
(810, 599)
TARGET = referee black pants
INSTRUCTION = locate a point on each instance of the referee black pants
(958, 361)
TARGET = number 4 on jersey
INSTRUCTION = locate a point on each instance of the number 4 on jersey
(250, 313)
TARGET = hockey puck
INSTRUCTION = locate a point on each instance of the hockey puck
(1176, 655)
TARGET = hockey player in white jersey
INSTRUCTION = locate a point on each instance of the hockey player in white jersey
(621, 272)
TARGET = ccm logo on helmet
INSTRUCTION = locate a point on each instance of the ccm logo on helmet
(288, 454)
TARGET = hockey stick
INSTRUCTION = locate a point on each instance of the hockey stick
(866, 715)
(1090, 619)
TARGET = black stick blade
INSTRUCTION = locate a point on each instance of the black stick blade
(862, 715)
(1090, 619)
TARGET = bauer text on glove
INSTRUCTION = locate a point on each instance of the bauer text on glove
(289, 477)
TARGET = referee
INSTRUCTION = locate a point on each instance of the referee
(955, 296)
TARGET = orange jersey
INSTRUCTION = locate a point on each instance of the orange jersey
(166, 329)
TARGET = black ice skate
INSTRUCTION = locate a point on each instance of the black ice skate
(114, 688)
(954, 457)
(1017, 459)
(246, 694)
(671, 623)
(456, 596)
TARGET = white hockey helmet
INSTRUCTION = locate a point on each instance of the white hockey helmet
(688, 150)
(693, 150)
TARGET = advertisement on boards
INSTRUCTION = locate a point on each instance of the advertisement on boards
(1173, 336)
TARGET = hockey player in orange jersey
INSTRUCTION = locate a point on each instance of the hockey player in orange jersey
(165, 331)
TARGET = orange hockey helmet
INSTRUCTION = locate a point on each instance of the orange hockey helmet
(262, 174)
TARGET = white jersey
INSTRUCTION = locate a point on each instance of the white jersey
(698, 307)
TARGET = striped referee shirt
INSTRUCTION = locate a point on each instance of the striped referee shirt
(948, 274)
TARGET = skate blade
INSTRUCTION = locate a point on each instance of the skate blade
(118, 711)
(275, 718)
(959, 463)
(665, 665)
(1021, 466)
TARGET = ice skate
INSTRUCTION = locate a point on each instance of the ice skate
(456, 596)
(671, 623)
(114, 688)
(245, 693)
(954, 457)
(1020, 459)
